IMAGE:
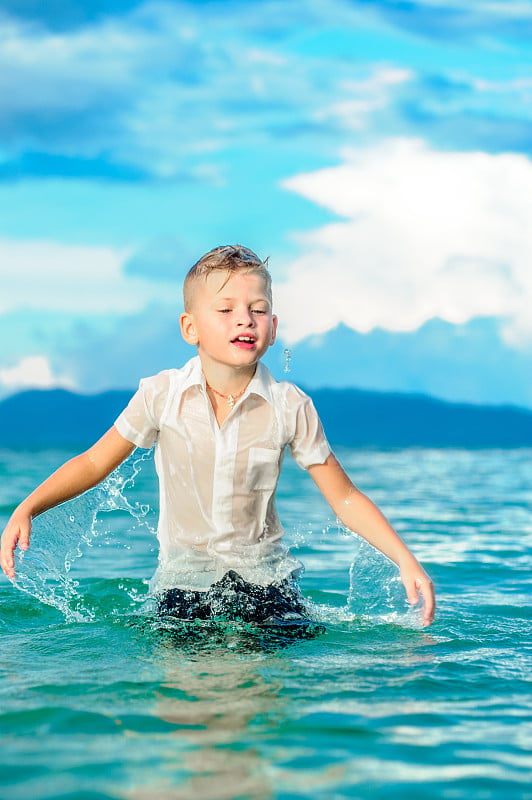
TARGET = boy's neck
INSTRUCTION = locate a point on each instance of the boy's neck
(225, 387)
(228, 380)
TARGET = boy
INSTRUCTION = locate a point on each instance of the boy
(221, 425)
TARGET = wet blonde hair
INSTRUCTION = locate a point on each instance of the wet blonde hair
(229, 258)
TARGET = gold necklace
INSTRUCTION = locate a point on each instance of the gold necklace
(231, 398)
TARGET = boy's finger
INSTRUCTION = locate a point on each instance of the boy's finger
(427, 590)
(24, 540)
(424, 587)
(410, 589)
(9, 543)
(413, 596)
(8, 562)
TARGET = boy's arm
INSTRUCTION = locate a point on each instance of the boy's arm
(73, 478)
(362, 516)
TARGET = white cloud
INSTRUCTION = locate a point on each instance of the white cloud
(32, 372)
(424, 234)
(53, 276)
(358, 99)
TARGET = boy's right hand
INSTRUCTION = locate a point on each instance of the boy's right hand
(17, 532)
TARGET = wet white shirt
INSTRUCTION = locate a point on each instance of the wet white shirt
(217, 483)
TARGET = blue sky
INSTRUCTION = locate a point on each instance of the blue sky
(378, 152)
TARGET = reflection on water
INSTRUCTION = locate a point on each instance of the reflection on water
(220, 702)
(230, 693)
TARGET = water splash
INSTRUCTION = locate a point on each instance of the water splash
(376, 592)
(61, 537)
(50, 571)
(287, 360)
(376, 595)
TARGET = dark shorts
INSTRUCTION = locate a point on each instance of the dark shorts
(233, 598)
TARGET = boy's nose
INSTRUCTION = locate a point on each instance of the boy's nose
(245, 318)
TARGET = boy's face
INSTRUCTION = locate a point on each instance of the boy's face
(230, 321)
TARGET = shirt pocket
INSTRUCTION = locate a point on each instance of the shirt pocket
(263, 468)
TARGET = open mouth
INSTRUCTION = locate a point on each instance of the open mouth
(244, 341)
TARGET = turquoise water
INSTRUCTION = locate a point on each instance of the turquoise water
(98, 701)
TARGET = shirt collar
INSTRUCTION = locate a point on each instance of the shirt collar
(260, 383)
(193, 374)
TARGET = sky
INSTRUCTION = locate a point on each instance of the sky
(380, 153)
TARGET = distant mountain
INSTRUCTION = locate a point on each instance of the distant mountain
(56, 417)
(46, 418)
(459, 363)
(356, 417)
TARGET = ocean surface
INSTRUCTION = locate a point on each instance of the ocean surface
(99, 700)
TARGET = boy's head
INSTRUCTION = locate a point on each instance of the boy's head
(229, 259)
(228, 308)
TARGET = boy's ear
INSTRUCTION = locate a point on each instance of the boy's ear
(188, 328)
(274, 329)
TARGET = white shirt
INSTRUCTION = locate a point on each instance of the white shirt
(217, 483)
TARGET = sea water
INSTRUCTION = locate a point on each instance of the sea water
(97, 700)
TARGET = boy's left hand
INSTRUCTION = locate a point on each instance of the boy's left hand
(416, 582)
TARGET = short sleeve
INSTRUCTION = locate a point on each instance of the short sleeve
(139, 422)
(309, 445)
